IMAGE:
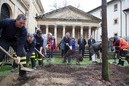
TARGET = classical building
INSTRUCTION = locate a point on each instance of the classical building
(31, 8)
(69, 19)
(117, 17)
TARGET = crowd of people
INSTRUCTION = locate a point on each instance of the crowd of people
(15, 35)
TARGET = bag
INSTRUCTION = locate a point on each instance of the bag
(70, 47)
(93, 57)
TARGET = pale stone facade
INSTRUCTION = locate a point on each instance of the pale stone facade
(69, 19)
(117, 17)
(31, 8)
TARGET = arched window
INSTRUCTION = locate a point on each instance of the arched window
(5, 11)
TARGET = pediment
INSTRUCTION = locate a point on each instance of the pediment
(69, 12)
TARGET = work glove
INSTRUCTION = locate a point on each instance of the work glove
(17, 60)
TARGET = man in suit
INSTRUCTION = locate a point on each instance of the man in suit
(90, 42)
(81, 43)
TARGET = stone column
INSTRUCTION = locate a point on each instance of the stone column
(89, 32)
(46, 29)
(73, 32)
(63, 31)
(93, 34)
(97, 33)
(55, 32)
(81, 32)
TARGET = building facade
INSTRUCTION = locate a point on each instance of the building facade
(31, 8)
(69, 19)
(117, 17)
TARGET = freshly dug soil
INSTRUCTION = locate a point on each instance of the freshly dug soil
(70, 75)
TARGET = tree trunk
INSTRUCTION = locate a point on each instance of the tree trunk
(105, 66)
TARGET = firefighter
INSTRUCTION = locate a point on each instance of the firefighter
(13, 33)
(39, 46)
(29, 47)
(123, 48)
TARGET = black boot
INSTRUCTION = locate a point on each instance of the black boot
(22, 73)
(121, 62)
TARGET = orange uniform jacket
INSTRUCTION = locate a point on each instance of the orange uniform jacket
(123, 44)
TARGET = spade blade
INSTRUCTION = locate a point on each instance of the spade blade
(27, 69)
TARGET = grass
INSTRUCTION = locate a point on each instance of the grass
(57, 60)
(112, 60)
(4, 71)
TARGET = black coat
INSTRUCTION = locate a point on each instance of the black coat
(81, 44)
(96, 47)
(91, 41)
(66, 40)
(11, 33)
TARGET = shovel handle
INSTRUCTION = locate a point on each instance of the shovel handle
(22, 67)
(69, 47)
(3, 50)
(39, 52)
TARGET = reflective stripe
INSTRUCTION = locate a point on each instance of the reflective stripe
(33, 53)
(32, 57)
(22, 58)
(40, 59)
(122, 58)
(23, 62)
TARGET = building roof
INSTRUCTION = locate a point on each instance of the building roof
(40, 5)
(100, 6)
(126, 9)
(79, 14)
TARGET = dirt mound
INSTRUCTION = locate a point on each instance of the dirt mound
(69, 75)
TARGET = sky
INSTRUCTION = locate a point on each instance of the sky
(85, 5)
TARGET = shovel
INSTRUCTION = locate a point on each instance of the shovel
(17, 60)
(42, 55)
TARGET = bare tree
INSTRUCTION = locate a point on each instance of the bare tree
(105, 66)
(54, 6)
(64, 3)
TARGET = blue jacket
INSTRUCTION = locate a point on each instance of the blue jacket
(29, 47)
(11, 33)
(72, 43)
(39, 41)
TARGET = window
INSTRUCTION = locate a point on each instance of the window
(36, 14)
(5, 11)
(115, 21)
(115, 7)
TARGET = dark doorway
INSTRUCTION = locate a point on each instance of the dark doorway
(5, 11)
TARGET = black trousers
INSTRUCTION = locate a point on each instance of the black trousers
(81, 51)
